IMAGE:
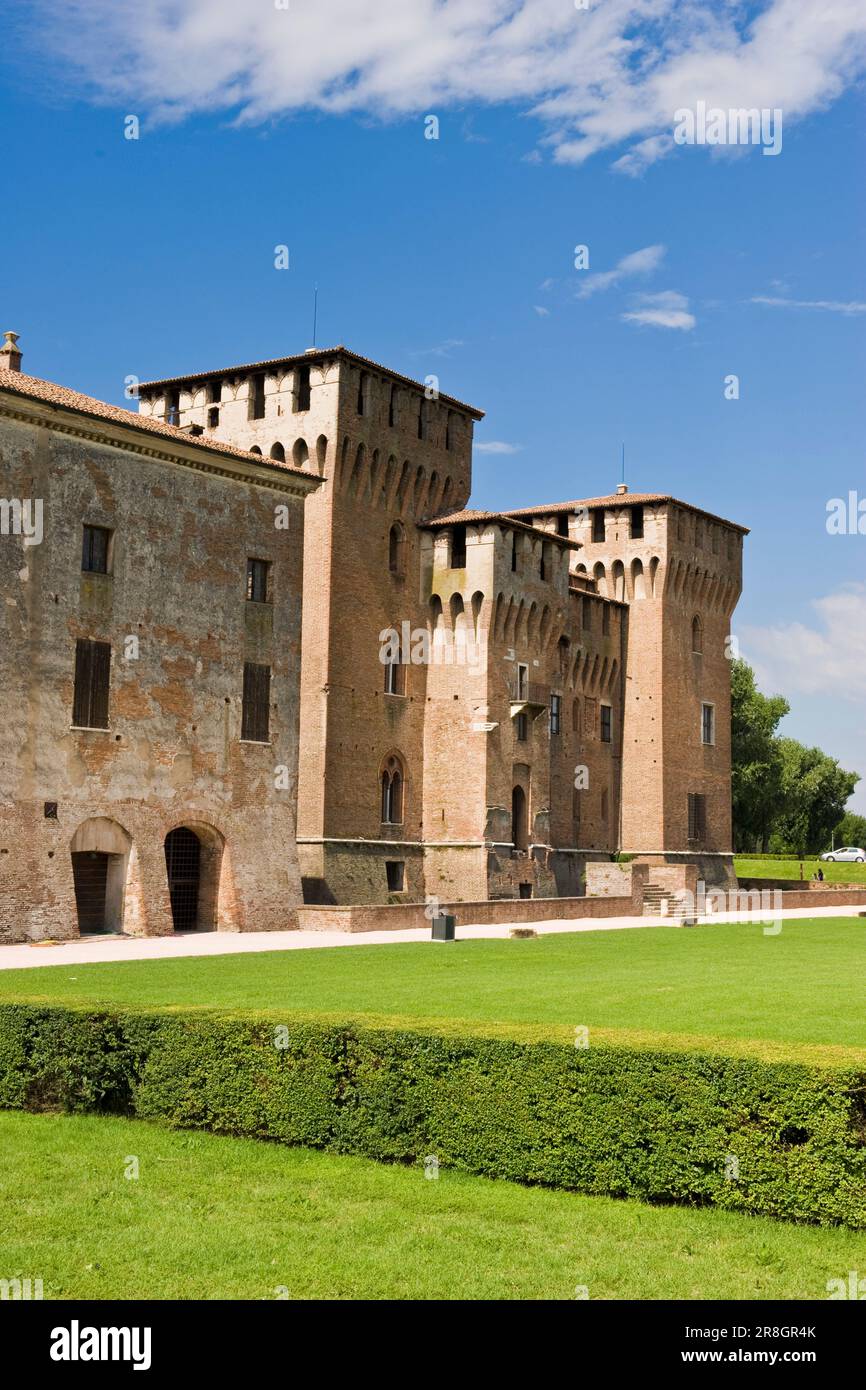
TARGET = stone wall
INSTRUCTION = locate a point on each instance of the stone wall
(173, 609)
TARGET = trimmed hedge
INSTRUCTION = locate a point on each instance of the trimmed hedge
(779, 1138)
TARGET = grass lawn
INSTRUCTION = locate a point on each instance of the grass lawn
(210, 1217)
(728, 983)
(790, 868)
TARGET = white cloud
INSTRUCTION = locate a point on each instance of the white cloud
(668, 309)
(825, 658)
(636, 263)
(541, 311)
(604, 78)
(832, 306)
(440, 349)
(497, 446)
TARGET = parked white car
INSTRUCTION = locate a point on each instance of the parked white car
(848, 854)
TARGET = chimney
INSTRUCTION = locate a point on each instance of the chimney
(621, 488)
(10, 353)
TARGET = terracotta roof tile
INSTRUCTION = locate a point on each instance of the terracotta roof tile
(467, 518)
(311, 355)
(51, 394)
(623, 499)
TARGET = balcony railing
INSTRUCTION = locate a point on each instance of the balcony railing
(525, 692)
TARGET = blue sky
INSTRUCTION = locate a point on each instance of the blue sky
(455, 256)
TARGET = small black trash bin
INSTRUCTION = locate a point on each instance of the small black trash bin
(443, 926)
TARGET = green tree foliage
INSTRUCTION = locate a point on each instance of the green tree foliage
(786, 798)
(851, 830)
(756, 761)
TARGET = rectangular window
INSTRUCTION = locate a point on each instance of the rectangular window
(92, 673)
(522, 727)
(522, 691)
(636, 525)
(395, 677)
(562, 524)
(302, 389)
(708, 724)
(257, 397)
(94, 550)
(256, 714)
(213, 418)
(172, 408)
(606, 725)
(422, 418)
(258, 581)
(513, 553)
(555, 714)
(214, 392)
(392, 406)
(395, 870)
(598, 526)
(697, 816)
(458, 548)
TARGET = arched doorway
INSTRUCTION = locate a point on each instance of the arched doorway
(100, 851)
(183, 863)
(518, 819)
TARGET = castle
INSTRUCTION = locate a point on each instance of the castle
(458, 704)
(575, 698)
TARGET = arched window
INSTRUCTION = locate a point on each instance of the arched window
(321, 451)
(396, 548)
(256, 450)
(395, 676)
(637, 579)
(391, 783)
(278, 452)
(697, 635)
(300, 453)
(618, 578)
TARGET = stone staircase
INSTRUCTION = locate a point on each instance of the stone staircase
(661, 902)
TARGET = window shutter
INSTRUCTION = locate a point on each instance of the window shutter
(255, 717)
(92, 679)
(99, 680)
(81, 697)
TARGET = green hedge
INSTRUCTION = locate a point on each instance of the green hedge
(657, 1125)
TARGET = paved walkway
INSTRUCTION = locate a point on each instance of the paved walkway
(86, 950)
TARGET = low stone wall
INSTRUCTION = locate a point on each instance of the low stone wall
(814, 895)
(516, 911)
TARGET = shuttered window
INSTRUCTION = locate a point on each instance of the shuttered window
(697, 816)
(94, 549)
(255, 720)
(92, 673)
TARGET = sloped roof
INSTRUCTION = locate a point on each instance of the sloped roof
(311, 355)
(51, 394)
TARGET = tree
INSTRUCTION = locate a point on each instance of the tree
(814, 791)
(851, 830)
(756, 759)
